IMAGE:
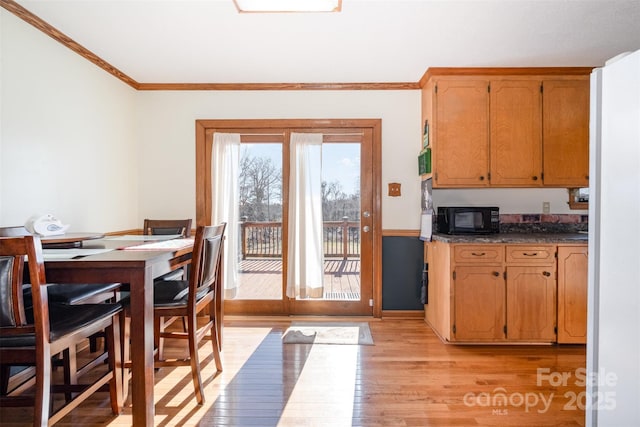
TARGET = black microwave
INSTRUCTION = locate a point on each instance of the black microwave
(468, 220)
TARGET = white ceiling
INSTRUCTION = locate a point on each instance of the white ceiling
(208, 41)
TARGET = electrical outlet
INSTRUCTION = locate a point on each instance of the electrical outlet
(546, 207)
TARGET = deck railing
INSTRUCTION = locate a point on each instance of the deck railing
(264, 239)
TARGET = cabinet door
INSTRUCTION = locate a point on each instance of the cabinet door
(461, 141)
(516, 133)
(572, 294)
(478, 303)
(565, 138)
(531, 303)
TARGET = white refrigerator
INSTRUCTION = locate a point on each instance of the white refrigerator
(613, 340)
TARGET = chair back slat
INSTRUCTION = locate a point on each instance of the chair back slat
(12, 312)
(211, 249)
(167, 226)
(206, 260)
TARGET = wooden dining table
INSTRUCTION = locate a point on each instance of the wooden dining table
(68, 240)
(138, 268)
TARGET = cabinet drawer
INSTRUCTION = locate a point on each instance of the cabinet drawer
(472, 254)
(531, 254)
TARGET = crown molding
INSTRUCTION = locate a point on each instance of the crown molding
(278, 86)
(503, 71)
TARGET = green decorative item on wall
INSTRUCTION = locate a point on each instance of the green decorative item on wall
(424, 161)
(425, 135)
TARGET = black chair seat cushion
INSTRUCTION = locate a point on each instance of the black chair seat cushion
(71, 293)
(173, 293)
(174, 275)
(63, 319)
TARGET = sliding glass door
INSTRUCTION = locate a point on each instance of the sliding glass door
(266, 192)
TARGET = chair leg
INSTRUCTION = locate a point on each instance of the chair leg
(125, 328)
(93, 342)
(57, 361)
(216, 350)
(43, 400)
(116, 385)
(5, 374)
(70, 368)
(158, 328)
(195, 360)
(215, 342)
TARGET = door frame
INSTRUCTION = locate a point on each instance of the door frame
(204, 141)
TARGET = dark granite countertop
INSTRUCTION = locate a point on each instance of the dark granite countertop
(528, 238)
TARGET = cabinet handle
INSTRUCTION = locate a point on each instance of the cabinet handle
(482, 178)
(478, 253)
(530, 254)
(546, 273)
(495, 273)
(535, 178)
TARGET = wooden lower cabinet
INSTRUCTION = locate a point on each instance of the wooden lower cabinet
(479, 303)
(507, 292)
(572, 294)
(531, 303)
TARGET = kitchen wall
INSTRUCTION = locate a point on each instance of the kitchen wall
(509, 200)
(167, 139)
(80, 144)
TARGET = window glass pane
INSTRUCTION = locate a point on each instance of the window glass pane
(341, 216)
(260, 182)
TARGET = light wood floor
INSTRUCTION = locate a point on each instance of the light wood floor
(408, 378)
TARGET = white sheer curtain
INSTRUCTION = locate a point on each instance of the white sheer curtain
(305, 253)
(225, 165)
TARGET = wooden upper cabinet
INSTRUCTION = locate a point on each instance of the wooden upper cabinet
(513, 127)
(566, 132)
(516, 133)
(461, 142)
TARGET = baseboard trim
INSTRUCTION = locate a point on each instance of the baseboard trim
(403, 314)
(293, 318)
(400, 233)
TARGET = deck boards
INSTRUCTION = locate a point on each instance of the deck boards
(261, 278)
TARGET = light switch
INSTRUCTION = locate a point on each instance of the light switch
(394, 189)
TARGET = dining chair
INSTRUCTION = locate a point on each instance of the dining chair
(72, 294)
(180, 227)
(65, 293)
(188, 298)
(31, 335)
